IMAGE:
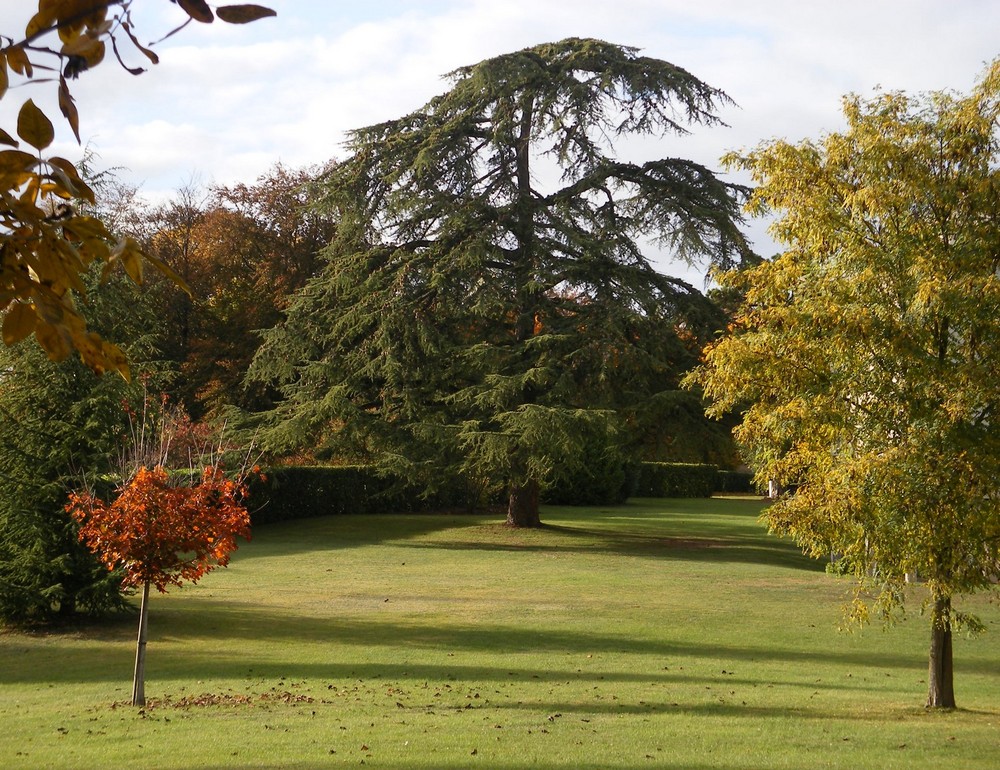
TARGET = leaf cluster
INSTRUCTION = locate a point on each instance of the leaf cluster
(45, 244)
(243, 250)
(59, 422)
(162, 534)
(866, 353)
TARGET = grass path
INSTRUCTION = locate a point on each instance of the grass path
(660, 634)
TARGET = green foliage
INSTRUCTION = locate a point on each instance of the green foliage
(677, 480)
(242, 250)
(671, 426)
(869, 350)
(609, 482)
(60, 425)
(605, 474)
(481, 314)
(295, 492)
(739, 482)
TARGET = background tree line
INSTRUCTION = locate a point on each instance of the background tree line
(242, 250)
(465, 295)
(246, 252)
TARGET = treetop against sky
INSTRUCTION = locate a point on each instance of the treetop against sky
(227, 102)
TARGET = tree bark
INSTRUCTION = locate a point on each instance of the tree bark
(139, 677)
(522, 509)
(940, 677)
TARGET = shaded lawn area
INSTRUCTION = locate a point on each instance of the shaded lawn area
(661, 633)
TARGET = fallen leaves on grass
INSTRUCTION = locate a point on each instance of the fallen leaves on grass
(221, 699)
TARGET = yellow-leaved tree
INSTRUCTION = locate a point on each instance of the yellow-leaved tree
(867, 353)
(45, 243)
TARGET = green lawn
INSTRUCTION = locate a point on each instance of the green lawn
(657, 634)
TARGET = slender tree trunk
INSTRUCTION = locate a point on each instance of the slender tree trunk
(940, 677)
(522, 510)
(67, 607)
(139, 678)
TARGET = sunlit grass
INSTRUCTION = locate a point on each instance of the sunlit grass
(656, 634)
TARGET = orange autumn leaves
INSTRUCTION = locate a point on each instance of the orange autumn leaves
(164, 534)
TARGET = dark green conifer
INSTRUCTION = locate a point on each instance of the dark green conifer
(487, 305)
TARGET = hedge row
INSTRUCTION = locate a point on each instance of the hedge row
(689, 480)
(295, 492)
(676, 480)
(735, 482)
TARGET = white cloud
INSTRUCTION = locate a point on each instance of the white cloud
(227, 102)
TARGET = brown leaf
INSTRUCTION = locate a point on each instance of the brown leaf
(131, 259)
(4, 79)
(69, 175)
(33, 127)
(98, 17)
(243, 14)
(18, 322)
(197, 10)
(39, 23)
(117, 360)
(146, 52)
(6, 138)
(88, 11)
(17, 163)
(70, 31)
(53, 341)
(17, 58)
(88, 48)
(68, 108)
(121, 61)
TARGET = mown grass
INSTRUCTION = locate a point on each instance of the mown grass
(659, 634)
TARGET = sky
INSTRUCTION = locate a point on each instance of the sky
(227, 102)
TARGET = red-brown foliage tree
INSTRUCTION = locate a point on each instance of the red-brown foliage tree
(163, 535)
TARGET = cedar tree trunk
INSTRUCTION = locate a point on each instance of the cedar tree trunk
(940, 677)
(139, 678)
(522, 510)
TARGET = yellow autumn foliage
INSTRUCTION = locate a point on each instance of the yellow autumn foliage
(45, 244)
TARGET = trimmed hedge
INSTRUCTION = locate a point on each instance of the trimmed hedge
(690, 480)
(296, 492)
(605, 483)
(735, 482)
(676, 480)
(299, 491)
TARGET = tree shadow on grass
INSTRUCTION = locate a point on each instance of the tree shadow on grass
(323, 533)
(174, 652)
(713, 531)
(645, 523)
(573, 539)
(440, 763)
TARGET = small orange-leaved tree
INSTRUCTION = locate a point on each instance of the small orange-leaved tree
(162, 534)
